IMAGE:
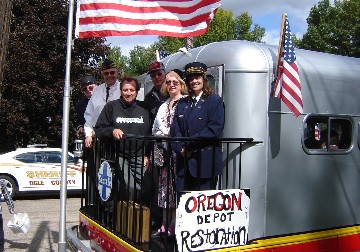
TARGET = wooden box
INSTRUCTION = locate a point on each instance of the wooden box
(129, 218)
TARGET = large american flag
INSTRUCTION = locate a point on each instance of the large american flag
(174, 18)
(287, 85)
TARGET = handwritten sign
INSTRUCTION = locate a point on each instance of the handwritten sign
(212, 219)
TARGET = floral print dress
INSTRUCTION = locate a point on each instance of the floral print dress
(161, 127)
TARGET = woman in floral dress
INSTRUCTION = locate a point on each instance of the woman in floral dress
(175, 87)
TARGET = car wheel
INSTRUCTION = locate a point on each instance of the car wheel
(10, 185)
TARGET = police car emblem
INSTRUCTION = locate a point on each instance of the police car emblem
(104, 181)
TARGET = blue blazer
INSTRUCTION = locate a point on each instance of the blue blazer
(204, 121)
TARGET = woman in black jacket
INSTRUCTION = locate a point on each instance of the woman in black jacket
(119, 118)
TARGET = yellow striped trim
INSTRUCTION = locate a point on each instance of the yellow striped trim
(110, 234)
(259, 244)
(294, 239)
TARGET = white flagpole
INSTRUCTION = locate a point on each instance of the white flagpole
(157, 55)
(65, 134)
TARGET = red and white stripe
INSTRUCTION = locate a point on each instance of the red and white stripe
(178, 18)
(287, 85)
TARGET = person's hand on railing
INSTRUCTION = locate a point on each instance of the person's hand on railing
(147, 165)
(79, 131)
(184, 153)
(118, 134)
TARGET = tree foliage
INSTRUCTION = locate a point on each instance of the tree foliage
(334, 29)
(222, 27)
(243, 24)
(139, 59)
(119, 60)
(32, 102)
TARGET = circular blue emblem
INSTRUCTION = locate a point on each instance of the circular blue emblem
(104, 181)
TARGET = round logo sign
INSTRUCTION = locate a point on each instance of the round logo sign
(104, 181)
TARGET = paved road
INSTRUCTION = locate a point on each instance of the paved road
(44, 216)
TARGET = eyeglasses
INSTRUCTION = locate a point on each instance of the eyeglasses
(107, 73)
(153, 75)
(169, 82)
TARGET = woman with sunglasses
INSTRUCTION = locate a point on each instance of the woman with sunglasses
(175, 88)
(201, 117)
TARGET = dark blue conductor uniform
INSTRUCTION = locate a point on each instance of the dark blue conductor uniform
(203, 119)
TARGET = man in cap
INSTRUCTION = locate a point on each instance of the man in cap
(88, 85)
(107, 91)
(153, 99)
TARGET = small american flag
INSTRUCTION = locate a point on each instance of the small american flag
(163, 54)
(173, 18)
(287, 85)
(317, 132)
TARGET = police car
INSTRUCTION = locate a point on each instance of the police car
(38, 168)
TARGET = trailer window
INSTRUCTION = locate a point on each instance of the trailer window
(215, 78)
(324, 134)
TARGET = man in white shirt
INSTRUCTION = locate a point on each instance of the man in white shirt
(107, 91)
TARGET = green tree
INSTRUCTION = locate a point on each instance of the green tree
(139, 59)
(32, 102)
(222, 27)
(243, 24)
(169, 44)
(334, 29)
(120, 60)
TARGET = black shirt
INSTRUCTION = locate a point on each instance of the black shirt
(153, 100)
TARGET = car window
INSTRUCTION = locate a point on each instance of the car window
(29, 157)
(52, 157)
(71, 159)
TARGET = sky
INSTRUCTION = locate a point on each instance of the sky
(266, 13)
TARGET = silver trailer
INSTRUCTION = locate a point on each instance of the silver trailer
(294, 186)
(302, 172)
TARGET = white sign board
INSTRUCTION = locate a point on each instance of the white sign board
(212, 219)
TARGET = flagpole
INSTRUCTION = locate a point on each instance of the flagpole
(189, 43)
(65, 134)
(284, 15)
(157, 55)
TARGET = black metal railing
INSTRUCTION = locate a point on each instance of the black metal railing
(131, 210)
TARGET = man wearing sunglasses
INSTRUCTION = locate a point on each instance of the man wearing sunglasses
(88, 85)
(153, 99)
(107, 91)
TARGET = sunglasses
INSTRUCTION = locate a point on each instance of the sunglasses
(107, 73)
(152, 75)
(169, 82)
